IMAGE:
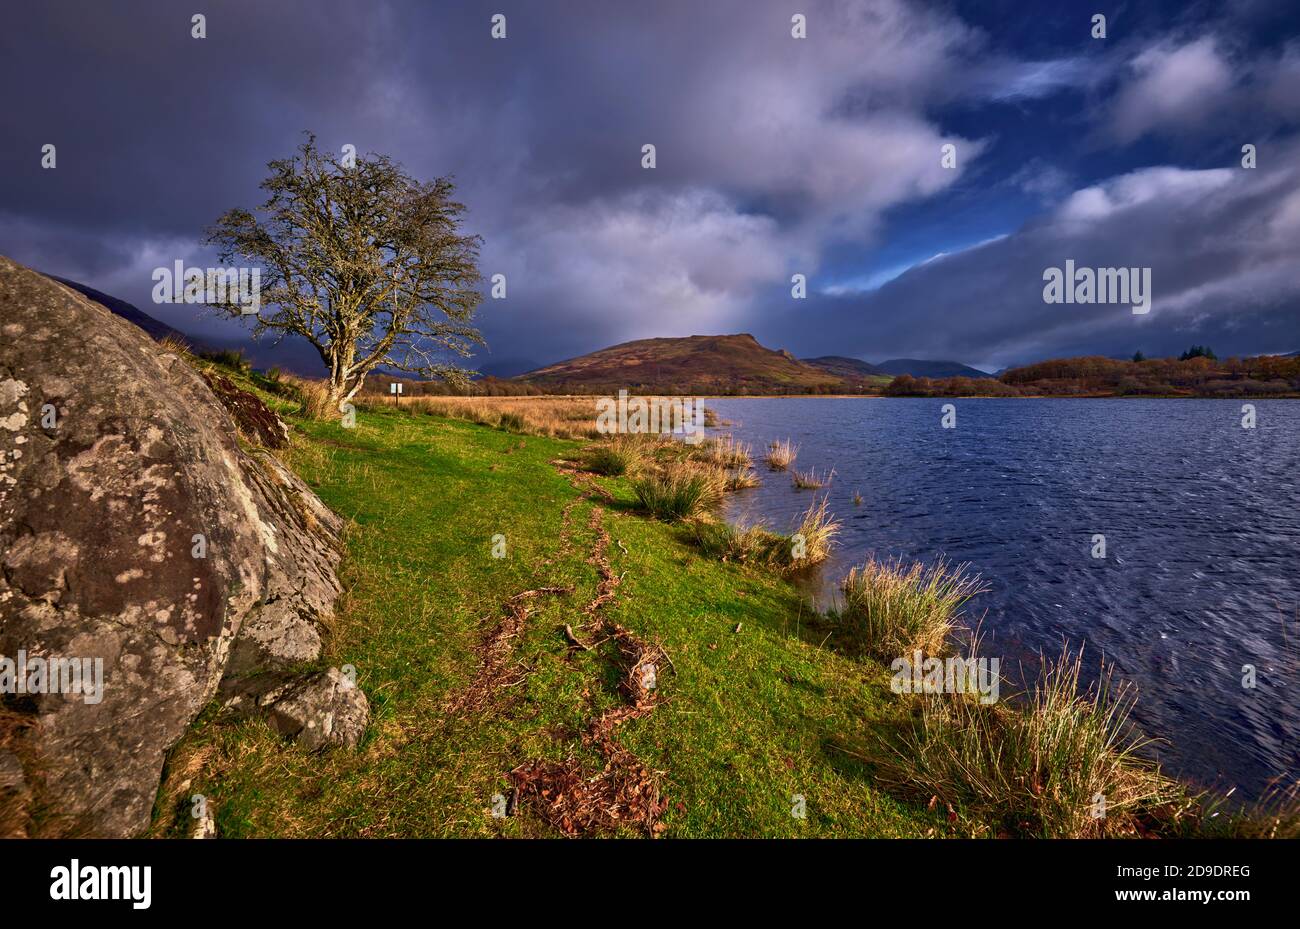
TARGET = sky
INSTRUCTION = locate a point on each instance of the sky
(774, 156)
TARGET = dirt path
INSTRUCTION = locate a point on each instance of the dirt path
(625, 792)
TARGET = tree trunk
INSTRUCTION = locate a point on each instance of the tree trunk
(337, 387)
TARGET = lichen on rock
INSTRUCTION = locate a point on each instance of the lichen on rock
(135, 530)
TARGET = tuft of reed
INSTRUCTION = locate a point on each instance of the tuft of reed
(741, 479)
(781, 454)
(812, 539)
(680, 491)
(756, 544)
(891, 610)
(810, 479)
(1066, 764)
(1276, 815)
(857, 498)
(740, 544)
(724, 452)
(617, 456)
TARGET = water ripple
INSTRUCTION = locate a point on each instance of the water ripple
(1202, 534)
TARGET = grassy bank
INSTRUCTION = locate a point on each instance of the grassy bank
(518, 684)
(752, 710)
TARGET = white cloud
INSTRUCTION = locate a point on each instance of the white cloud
(1166, 184)
(1176, 87)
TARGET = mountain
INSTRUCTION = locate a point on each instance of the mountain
(157, 330)
(919, 367)
(695, 364)
(843, 367)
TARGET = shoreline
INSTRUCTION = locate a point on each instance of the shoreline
(745, 667)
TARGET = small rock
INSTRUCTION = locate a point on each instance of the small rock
(322, 710)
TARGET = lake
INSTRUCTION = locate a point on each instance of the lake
(1201, 519)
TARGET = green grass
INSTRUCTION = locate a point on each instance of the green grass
(751, 720)
(756, 711)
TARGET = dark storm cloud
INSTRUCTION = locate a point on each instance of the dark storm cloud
(771, 152)
(158, 133)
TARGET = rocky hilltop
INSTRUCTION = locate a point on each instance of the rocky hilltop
(139, 536)
(694, 364)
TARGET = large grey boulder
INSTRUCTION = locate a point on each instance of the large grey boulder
(135, 531)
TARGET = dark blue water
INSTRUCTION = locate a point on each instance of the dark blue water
(1202, 525)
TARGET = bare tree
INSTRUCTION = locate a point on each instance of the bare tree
(363, 262)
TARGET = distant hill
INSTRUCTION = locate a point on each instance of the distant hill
(694, 364)
(919, 367)
(843, 367)
(157, 330)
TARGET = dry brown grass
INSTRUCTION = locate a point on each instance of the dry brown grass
(815, 533)
(310, 394)
(562, 417)
(177, 346)
(565, 417)
(680, 491)
(741, 479)
(780, 455)
(725, 451)
(891, 609)
(810, 479)
(1039, 769)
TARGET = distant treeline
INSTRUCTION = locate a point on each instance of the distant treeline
(1096, 376)
(496, 387)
